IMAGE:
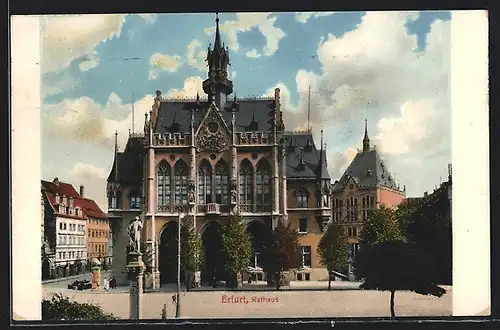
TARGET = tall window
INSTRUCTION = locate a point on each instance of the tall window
(134, 200)
(303, 225)
(204, 183)
(302, 201)
(246, 196)
(163, 181)
(221, 183)
(306, 256)
(262, 183)
(180, 183)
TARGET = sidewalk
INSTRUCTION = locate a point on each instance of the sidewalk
(71, 279)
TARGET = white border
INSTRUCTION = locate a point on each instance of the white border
(470, 159)
(26, 171)
(471, 258)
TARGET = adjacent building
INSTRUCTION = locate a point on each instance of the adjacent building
(365, 185)
(212, 157)
(64, 227)
(97, 230)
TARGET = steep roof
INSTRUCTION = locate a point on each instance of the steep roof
(91, 209)
(59, 187)
(368, 170)
(303, 157)
(252, 114)
(130, 162)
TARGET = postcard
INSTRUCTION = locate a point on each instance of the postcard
(250, 165)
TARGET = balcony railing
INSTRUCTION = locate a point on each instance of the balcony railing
(212, 208)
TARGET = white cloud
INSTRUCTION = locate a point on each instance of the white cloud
(232, 75)
(149, 18)
(85, 120)
(163, 62)
(306, 16)
(93, 179)
(377, 72)
(254, 53)
(192, 85)
(339, 161)
(55, 83)
(245, 22)
(195, 56)
(65, 38)
(89, 61)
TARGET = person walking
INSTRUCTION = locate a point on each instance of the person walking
(106, 284)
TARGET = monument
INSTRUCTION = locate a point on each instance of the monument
(135, 268)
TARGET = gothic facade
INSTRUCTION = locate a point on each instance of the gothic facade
(211, 157)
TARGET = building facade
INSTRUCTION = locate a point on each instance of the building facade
(65, 228)
(97, 231)
(365, 185)
(210, 158)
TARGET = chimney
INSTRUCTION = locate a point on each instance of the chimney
(426, 194)
(81, 191)
(56, 181)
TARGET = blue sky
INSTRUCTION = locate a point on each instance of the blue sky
(391, 68)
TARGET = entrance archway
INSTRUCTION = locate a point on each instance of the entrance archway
(167, 254)
(213, 265)
(45, 269)
(258, 233)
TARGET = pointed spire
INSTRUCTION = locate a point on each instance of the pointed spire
(366, 140)
(217, 43)
(116, 155)
(321, 155)
(309, 110)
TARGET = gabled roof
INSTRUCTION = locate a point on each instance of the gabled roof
(303, 158)
(91, 209)
(61, 188)
(368, 170)
(252, 114)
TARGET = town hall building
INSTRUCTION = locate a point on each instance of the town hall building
(211, 157)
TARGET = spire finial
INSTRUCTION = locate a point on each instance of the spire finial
(366, 140)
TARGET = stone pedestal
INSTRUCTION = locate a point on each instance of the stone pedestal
(135, 269)
(96, 277)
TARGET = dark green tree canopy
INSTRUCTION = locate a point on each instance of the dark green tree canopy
(282, 249)
(396, 266)
(382, 225)
(62, 308)
(333, 248)
(236, 245)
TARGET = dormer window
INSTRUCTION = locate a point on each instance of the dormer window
(308, 146)
(71, 201)
(57, 198)
(368, 172)
(64, 200)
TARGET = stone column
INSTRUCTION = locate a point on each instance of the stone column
(284, 192)
(276, 194)
(151, 210)
(135, 269)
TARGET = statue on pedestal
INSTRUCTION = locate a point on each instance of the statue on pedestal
(134, 232)
(234, 193)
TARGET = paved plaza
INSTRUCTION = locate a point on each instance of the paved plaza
(300, 299)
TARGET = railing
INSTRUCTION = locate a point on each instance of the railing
(212, 208)
(171, 139)
(253, 138)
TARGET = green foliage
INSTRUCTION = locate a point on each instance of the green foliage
(333, 248)
(403, 214)
(192, 246)
(382, 225)
(62, 308)
(395, 265)
(236, 246)
(281, 251)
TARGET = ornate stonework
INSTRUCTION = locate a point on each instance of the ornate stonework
(213, 135)
(112, 188)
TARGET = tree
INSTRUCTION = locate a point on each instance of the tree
(281, 251)
(237, 248)
(62, 308)
(191, 249)
(381, 226)
(393, 266)
(333, 249)
(403, 215)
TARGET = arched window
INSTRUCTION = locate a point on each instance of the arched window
(180, 183)
(204, 183)
(262, 185)
(163, 182)
(221, 183)
(302, 198)
(245, 182)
